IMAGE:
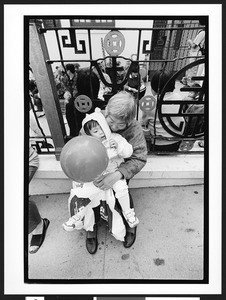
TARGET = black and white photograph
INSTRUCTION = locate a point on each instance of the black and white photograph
(115, 117)
(117, 189)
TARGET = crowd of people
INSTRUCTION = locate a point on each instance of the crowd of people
(114, 123)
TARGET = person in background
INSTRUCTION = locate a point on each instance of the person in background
(192, 95)
(37, 226)
(77, 67)
(58, 77)
(34, 93)
(196, 49)
(104, 90)
(151, 120)
(69, 83)
(194, 124)
(88, 84)
(135, 82)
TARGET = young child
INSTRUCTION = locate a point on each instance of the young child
(117, 148)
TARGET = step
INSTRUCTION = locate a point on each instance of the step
(160, 170)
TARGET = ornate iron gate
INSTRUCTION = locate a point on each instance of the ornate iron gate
(113, 43)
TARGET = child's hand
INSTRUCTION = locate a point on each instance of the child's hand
(113, 144)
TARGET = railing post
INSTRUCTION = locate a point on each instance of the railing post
(38, 55)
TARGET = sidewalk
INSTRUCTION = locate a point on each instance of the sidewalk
(169, 242)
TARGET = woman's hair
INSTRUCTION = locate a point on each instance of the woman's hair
(121, 106)
(159, 80)
(89, 125)
(88, 83)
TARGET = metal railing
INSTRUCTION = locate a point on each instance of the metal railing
(41, 65)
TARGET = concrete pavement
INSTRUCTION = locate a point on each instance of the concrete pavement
(169, 242)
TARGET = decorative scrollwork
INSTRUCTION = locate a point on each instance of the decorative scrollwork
(73, 43)
(167, 120)
(144, 48)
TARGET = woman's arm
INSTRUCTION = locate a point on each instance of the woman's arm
(132, 165)
(137, 160)
(124, 148)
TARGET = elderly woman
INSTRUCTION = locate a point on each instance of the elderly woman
(120, 116)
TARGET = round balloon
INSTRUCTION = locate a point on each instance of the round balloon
(83, 158)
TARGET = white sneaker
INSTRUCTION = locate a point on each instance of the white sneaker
(131, 218)
(75, 222)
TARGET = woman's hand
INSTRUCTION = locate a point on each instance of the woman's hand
(105, 182)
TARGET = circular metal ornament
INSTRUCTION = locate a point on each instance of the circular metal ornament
(169, 120)
(83, 103)
(114, 43)
(147, 103)
(186, 145)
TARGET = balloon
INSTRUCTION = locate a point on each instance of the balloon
(83, 158)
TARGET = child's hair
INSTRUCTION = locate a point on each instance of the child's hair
(121, 106)
(159, 80)
(89, 125)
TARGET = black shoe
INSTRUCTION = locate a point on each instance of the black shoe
(130, 237)
(91, 240)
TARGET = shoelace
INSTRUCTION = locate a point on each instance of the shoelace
(130, 215)
(73, 219)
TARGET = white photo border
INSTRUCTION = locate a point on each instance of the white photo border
(14, 59)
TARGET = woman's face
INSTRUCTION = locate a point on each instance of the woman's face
(115, 124)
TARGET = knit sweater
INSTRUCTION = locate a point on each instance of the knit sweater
(135, 136)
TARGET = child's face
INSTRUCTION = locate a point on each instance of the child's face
(98, 133)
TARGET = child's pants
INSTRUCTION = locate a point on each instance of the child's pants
(88, 199)
(122, 194)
